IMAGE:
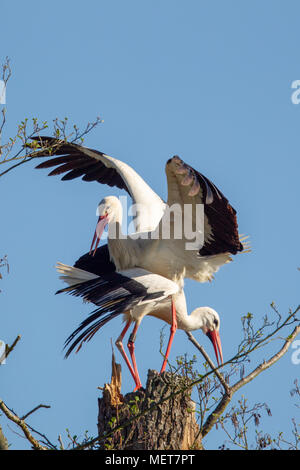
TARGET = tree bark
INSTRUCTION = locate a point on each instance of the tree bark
(170, 425)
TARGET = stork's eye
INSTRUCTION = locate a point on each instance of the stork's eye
(216, 323)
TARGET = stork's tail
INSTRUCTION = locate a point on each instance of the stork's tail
(72, 275)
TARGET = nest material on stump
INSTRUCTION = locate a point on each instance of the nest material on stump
(170, 425)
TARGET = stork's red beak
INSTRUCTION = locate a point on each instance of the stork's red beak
(216, 341)
(102, 222)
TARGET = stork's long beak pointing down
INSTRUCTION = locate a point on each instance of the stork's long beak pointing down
(101, 224)
(216, 341)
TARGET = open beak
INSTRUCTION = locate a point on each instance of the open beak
(216, 341)
(102, 222)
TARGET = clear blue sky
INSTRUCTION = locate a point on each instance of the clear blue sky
(209, 81)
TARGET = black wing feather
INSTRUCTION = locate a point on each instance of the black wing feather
(220, 214)
(98, 264)
(70, 153)
(113, 294)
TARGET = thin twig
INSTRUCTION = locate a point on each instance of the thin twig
(62, 447)
(209, 361)
(46, 440)
(9, 349)
(25, 160)
(34, 409)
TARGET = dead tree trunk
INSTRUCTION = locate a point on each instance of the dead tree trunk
(170, 425)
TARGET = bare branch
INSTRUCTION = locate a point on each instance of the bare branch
(34, 410)
(9, 349)
(215, 415)
(62, 447)
(45, 438)
(14, 418)
(209, 361)
(266, 364)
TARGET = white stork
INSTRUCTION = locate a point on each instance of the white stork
(166, 257)
(135, 293)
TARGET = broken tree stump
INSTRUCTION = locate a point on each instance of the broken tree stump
(141, 421)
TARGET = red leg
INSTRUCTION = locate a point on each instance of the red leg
(172, 333)
(131, 348)
(119, 345)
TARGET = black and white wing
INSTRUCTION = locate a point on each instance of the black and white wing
(188, 186)
(74, 161)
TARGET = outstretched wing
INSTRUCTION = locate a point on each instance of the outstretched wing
(76, 161)
(188, 186)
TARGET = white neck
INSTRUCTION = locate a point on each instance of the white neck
(195, 320)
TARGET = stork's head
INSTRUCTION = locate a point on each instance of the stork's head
(109, 210)
(209, 322)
